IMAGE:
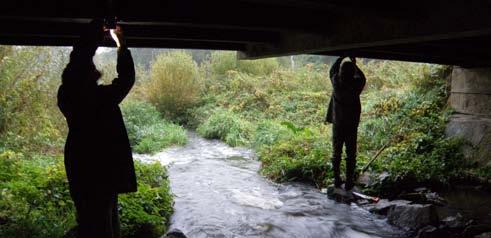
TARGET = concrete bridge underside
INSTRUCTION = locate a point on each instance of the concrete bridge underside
(434, 31)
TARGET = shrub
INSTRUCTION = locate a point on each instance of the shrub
(412, 124)
(138, 115)
(35, 201)
(26, 95)
(226, 126)
(269, 132)
(300, 157)
(160, 135)
(222, 62)
(147, 132)
(174, 86)
(147, 212)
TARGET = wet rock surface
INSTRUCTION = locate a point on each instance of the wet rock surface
(412, 216)
(462, 212)
(384, 205)
(476, 230)
(174, 233)
(433, 232)
(484, 235)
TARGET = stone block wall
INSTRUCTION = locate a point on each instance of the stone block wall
(471, 99)
(471, 91)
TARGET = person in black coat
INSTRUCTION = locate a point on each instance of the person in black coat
(98, 158)
(344, 112)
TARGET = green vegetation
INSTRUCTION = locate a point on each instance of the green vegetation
(280, 113)
(148, 210)
(228, 127)
(35, 201)
(174, 85)
(34, 197)
(147, 131)
(266, 104)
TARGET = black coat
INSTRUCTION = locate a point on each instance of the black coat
(345, 106)
(97, 151)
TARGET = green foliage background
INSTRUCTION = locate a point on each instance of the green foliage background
(280, 112)
(276, 106)
(147, 131)
(34, 197)
(174, 86)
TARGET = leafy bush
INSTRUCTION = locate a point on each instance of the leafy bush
(226, 126)
(138, 115)
(35, 201)
(412, 125)
(26, 94)
(147, 132)
(222, 62)
(174, 86)
(160, 135)
(147, 212)
(269, 132)
(300, 157)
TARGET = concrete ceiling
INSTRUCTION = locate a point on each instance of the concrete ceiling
(434, 31)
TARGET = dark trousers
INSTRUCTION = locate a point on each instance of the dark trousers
(344, 134)
(97, 214)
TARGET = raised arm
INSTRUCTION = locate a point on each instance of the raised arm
(335, 67)
(361, 79)
(334, 72)
(121, 86)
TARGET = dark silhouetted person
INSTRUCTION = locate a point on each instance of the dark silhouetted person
(344, 112)
(98, 158)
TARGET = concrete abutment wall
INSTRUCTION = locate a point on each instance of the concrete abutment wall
(471, 99)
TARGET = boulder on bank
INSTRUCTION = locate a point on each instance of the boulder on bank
(174, 233)
(454, 222)
(433, 232)
(476, 230)
(484, 235)
(412, 216)
(383, 206)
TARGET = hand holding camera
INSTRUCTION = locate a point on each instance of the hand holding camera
(117, 36)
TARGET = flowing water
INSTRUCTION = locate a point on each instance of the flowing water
(219, 193)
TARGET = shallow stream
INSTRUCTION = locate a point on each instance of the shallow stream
(219, 193)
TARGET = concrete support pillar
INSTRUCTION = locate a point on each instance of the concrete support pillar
(471, 99)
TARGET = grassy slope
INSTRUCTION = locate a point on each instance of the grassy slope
(281, 113)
